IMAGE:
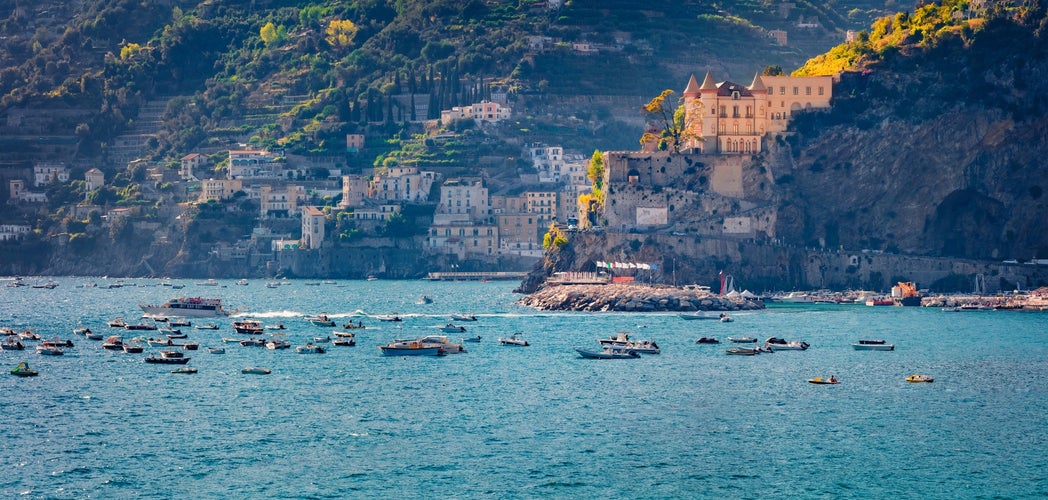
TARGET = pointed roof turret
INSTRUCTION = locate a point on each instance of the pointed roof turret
(708, 83)
(757, 84)
(692, 90)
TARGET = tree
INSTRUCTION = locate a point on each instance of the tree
(340, 33)
(671, 131)
(272, 35)
(595, 173)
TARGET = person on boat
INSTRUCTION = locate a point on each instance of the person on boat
(833, 379)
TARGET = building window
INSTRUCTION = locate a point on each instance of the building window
(782, 90)
(807, 90)
(794, 90)
(820, 90)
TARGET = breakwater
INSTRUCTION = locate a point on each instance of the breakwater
(632, 297)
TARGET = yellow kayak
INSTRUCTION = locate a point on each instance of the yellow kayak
(820, 380)
(919, 378)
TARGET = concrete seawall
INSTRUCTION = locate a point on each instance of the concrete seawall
(632, 297)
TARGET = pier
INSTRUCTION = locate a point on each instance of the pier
(476, 276)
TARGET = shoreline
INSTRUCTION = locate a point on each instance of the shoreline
(633, 298)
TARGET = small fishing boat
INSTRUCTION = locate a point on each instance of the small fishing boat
(133, 348)
(351, 326)
(475, 338)
(410, 348)
(820, 380)
(463, 317)
(784, 345)
(873, 345)
(425, 299)
(216, 350)
(392, 317)
(607, 353)
(917, 378)
(184, 369)
(320, 320)
(310, 348)
(743, 351)
(118, 322)
(450, 328)
(49, 350)
(341, 334)
(12, 344)
(344, 342)
(207, 326)
(743, 340)
(167, 358)
(248, 326)
(23, 370)
(707, 340)
(255, 370)
(698, 315)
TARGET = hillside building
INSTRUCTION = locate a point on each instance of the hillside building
(46, 173)
(189, 165)
(729, 118)
(94, 179)
(312, 228)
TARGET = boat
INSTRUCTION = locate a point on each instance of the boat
(310, 348)
(724, 318)
(707, 340)
(82, 331)
(248, 326)
(443, 342)
(513, 340)
(49, 351)
(141, 326)
(27, 334)
(784, 345)
(820, 380)
(242, 282)
(743, 340)
(450, 328)
(393, 317)
(372, 278)
(277, 342)
(337, 333)
(868, 345)
(463, 317)
(253, 342)
(743, 351)
(113, 343)
(172, 333)
(159, 342)
(23, 370)
(425, 299)
(278, 326)
(344, 342)
(196, 307)
(622, 340)
(189, 346)
(94, 335)
(168, 357)
(795, 298)
(216, 350)
(179, 322)
(607, 353)
(320, 320)
(207, 326)
(351, 326)
(255, 370)
(880, 301)
(917, 378)
(410, 348)
(475, 338)
(12, 344)
(209, 282)
(184, 369)
(698, 315)
(118, 322)
(133, 348)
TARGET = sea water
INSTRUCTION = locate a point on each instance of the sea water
(520, 422)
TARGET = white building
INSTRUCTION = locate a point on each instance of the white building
(462, 201)
(10, 232)
(354, 190)
(46, 173)
(189, 164)
(484, 111)
(94, 179)
(253, 164)
(402, 184)
(219, 189)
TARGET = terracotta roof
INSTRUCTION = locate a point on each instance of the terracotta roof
(692, 90)
(708, 83)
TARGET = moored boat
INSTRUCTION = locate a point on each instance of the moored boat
(743, 351)
(310, 348)
(698, 315)
(168, 357)
(707, 340)
(743, 340)
(255, 370)
(248, 326)
(184, 369)
(475, 338)
(12, 344)
(113, 343)
(49, 350)
(450, 328)
(23, 370)
(607, 353)
(443, 342)
(463, 317)
(622, 340)
(784, 345)
(877, 346)
(320, 320)
(820, 380)
(410, 348)
(513, 340)
(392, 317)
(216, 350)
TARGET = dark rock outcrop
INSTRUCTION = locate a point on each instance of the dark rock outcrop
(632, 297)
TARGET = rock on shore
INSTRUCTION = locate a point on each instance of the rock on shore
(632, 297)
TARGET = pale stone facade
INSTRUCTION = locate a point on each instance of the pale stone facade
(252, 164)
(46, 173)
(312, 227)
(219, 189)
(461, 201)
(484, 111)
(354, 190)
(403, 184)
(729, 118)
(280, 203)
(94, 179)
(189, 165)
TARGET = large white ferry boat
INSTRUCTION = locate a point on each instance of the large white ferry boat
(196, 307)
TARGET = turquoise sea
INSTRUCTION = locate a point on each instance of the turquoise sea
(521, 422)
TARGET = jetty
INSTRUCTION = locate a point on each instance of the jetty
(633, 297)
(475, 276)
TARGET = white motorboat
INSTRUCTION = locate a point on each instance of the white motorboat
(784, 345)
(448, 346)
(514, 340)
(196, 307)
(622, 340)
(450, 328)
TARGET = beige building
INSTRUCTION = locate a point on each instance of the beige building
(729, 118)
(402, 184)
(484, 111)
(354, 190)
(94, 179)
(312, 227)
(280, 203)
(462, 200)
(189, 164)
(219, 189)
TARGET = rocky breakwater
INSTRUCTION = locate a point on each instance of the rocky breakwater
(632, 297)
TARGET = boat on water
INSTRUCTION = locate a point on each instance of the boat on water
(450, 328)
(207, 326)
(321, 320)
(184, 369)
(140, 326)
(177, 322)
(387, 317)
(880, 301)
(425, 299)
(351, 326)
(607, 353)
(820, 380)
(255, 370)
(785, 345)
(513, 340)
(475, 338)
(344, 342)
(724, 318)
(113, 343)
(216, 350)
(248, 326)
(12, 344)
(707, 340)
(277, 342)
(698, 315)
(917, 378)
(743, 340)
(743, 351)
(463, 317)
(242, 282)
(168, 357)
(622, 341)
(172, 333)
(310, 348)
(23, 370)
(118, 322)
(49, 350)
(253, 342)
(195, 307)
(410, 348)
(795, 298)
(441, 341)
(873, 345)
(133, 348)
